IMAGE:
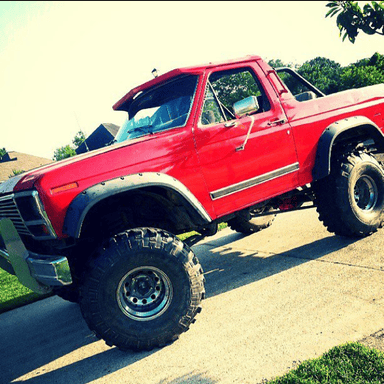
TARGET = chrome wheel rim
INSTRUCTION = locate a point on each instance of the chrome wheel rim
(366, 193)
(144, 293)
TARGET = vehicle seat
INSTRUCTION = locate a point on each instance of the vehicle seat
(305, 96)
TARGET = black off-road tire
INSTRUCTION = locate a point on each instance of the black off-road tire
(70, 293)
(350, 201)
(142, 290)
(252, 225)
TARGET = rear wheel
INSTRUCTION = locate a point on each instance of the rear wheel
(252, 223)
(350, 201)
(143, 290)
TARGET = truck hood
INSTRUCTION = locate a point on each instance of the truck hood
(27, 179)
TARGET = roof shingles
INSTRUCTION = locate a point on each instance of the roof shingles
(19, 162)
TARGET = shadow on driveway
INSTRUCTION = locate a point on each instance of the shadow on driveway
(46, 331)
(227, 267)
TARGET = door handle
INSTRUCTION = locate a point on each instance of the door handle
(230, 124)
(277, 121)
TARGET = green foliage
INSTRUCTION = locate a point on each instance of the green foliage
(233, 87)
(351, 18)
(277, 63)
(3, 151)
(377, 61)
(16, 172)
(322, 73)
(13, 294)
(349, 363)
(78, 139)
(331, 77)
(68, 150)
(63, 153)
(186, 235)
(356, 77)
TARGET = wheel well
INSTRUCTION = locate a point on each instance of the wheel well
(345, 136)
(149, 206)
(356, 135)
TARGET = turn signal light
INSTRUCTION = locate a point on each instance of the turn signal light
(63, 188)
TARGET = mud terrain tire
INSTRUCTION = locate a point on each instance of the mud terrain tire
(350, 201)
(144, 289)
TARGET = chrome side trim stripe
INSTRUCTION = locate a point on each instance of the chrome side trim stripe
(254, 181)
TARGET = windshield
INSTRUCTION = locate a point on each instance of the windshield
(163, 107)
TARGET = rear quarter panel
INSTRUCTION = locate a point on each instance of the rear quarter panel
(309, 119)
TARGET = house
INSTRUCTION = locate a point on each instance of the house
(100, 137)
(17, 161)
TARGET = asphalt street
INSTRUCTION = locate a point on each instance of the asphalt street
(275, 298)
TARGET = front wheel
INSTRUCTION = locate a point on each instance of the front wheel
(143, 290)
(350, 201)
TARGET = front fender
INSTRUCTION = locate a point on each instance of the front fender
(353, 126)
(83, 202)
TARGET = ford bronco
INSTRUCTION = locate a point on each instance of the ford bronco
(235, 142)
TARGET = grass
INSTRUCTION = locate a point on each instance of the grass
(352, 363)
(13, 294)
(184, 236)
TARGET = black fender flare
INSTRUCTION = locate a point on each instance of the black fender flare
(82, 203)
(355, 125)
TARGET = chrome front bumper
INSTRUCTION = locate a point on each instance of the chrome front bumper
(37, 272)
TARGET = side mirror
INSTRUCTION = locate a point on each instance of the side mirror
(246, 106)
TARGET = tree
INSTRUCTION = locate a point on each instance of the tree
(231, 87)
(63, 153)
(331, 77)
(277, 63)
(68, 150)
(3, 151)
(351, 18)
(78, 139)
(377, 60)
(322, 73)
(354, 76)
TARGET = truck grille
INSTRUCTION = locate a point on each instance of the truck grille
(8, 209)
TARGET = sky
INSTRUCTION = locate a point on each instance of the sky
(64, 64)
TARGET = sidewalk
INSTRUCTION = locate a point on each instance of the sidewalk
(284, 295)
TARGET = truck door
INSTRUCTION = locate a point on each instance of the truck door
(243, 166)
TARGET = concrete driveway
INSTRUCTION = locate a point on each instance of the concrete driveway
(278, 297)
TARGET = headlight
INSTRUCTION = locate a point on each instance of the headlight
(33, 214)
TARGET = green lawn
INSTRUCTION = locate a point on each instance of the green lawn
(13, 294)
(352, 363)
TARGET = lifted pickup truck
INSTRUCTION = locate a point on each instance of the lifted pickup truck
(235, 142)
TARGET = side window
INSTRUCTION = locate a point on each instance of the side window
(212, 113)
(298, 86)
(226, 88)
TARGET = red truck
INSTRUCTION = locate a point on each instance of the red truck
(235, 142)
